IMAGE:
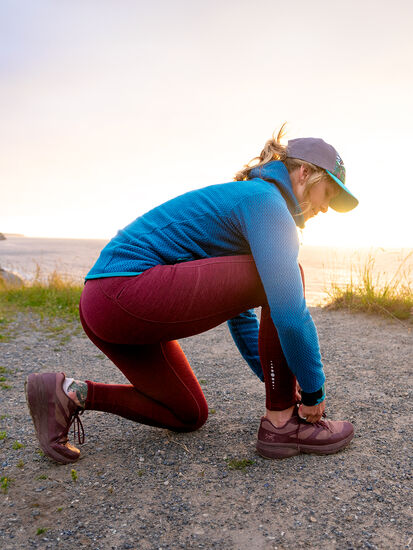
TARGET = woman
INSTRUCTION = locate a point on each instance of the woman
(209, 256)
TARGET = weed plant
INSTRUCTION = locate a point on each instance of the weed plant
(374, 293)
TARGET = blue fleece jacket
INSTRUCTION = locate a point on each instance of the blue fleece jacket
(257, 216)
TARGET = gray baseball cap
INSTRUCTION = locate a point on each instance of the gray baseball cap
(320, 153)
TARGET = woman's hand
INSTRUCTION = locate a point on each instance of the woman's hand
(312, 414)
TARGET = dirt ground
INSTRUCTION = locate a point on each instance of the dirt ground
(137, 487)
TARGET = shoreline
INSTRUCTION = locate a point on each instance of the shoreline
(352, 248)
(73, 258)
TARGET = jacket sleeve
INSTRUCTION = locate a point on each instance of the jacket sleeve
(270, 230)
(244, 331)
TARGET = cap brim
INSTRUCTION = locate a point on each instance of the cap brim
(345, 201)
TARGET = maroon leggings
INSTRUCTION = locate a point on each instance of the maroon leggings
(136, 321)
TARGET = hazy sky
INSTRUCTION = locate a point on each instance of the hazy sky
(110, 107)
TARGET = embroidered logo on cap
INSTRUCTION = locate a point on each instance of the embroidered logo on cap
(339, 170)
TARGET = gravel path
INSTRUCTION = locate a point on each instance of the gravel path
(144, 488)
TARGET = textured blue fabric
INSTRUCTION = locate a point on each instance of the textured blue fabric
(258, 217)
(244, 332)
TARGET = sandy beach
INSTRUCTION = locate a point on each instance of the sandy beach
(142, 488)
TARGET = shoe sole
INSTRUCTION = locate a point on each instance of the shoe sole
(286, 450)
(37, 402)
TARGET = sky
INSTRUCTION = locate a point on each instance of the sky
(108, 108)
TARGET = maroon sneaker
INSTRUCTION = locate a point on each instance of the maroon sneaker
(298, 436)
(53, 412)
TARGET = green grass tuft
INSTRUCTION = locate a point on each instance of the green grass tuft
(236, 464)
(5, 484)
(372, 293)
(4, 370)
(54, 296)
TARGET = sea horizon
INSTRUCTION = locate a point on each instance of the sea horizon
(74, 257)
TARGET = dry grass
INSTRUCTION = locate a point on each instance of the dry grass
(376, 294)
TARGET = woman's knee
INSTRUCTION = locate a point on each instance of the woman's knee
(196, 420)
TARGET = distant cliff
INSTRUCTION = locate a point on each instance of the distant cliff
(2, 237)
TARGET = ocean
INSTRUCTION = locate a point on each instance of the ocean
(322, 265)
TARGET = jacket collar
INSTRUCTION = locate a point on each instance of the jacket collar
(276, 172)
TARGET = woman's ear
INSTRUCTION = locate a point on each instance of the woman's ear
(304, 174)
(302, 177)
(299, 177)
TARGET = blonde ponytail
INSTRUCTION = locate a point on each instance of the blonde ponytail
(273, 150)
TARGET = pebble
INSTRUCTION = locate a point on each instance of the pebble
(356, 491)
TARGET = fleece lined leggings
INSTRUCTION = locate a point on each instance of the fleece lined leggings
(136, 322)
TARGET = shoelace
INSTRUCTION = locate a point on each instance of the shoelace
(321, 423)
(78, 426)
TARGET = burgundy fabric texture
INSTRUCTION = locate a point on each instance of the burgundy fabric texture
(135, 321)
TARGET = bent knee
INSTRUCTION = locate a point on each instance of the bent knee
(195, 421)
